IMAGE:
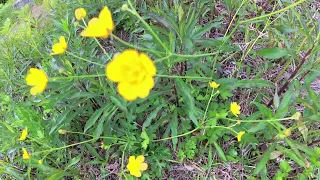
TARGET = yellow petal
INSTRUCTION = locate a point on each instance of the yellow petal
(132, 159)
(80, 13)
(240, 134)
(235, 108)
(25, 154)
(148, 64)
(136, 173)
(95, 28)
(23, 134)
(114, 71)
(63, 42)
(144, 88)
(144, 166)
(40, 161)
(106, 17)
(140, 159)
(37, 89)
(126, 91)
(57, 49)
(214, 84)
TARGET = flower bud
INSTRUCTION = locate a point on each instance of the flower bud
(124, 7)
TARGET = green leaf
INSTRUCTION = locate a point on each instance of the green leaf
(251, 83)
(94, 118)
(291, 155)
(205, 29)
(260, 126)
(273, 53)
(285, 166)
(285, 29)
(151, 116)
(264, 110)
(174, 128)
(264, 160)
(73, 161)
(118, 103)
(187, 99)
(146, 140)
(58, 175)
(220, 151)
(94, 152)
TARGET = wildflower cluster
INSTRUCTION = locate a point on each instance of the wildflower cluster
(133, 72)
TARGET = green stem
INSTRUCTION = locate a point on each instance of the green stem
(273, 13)
(180, 135)
(83, 59)
(182, 77)
(73, 77)
(261, 120)
(101, 137)
(64, 147)
(163, 53)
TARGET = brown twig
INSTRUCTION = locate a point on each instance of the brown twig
(304, 58)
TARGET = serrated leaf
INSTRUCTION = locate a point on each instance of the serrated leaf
(273, 53)
(146, 140)
(285, 167)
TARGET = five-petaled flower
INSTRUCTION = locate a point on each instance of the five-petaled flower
(240, 134)
(80, 13)
(235, 108)
(101, 26)
(38, 79)
(136, 165)
(24, 134)
(25, 154)
(134, 73)
(214, 84)
(60, 47)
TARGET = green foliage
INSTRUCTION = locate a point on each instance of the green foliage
(183, 119)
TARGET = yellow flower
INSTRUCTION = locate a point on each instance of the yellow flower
(101, 26)
(25, 154)
(24, 134)
(136, 165)
(61, 131)
(287, 132)
(38, 79)
(214, 84)
(235, 108)
(102, 145)
(40, 161)
(80, 13)
(134, 73)
(60, 47)
(240, 134)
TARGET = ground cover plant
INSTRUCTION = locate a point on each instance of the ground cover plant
(126, 89)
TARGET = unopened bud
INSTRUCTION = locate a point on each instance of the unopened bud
(61, 131)
(124, 7)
